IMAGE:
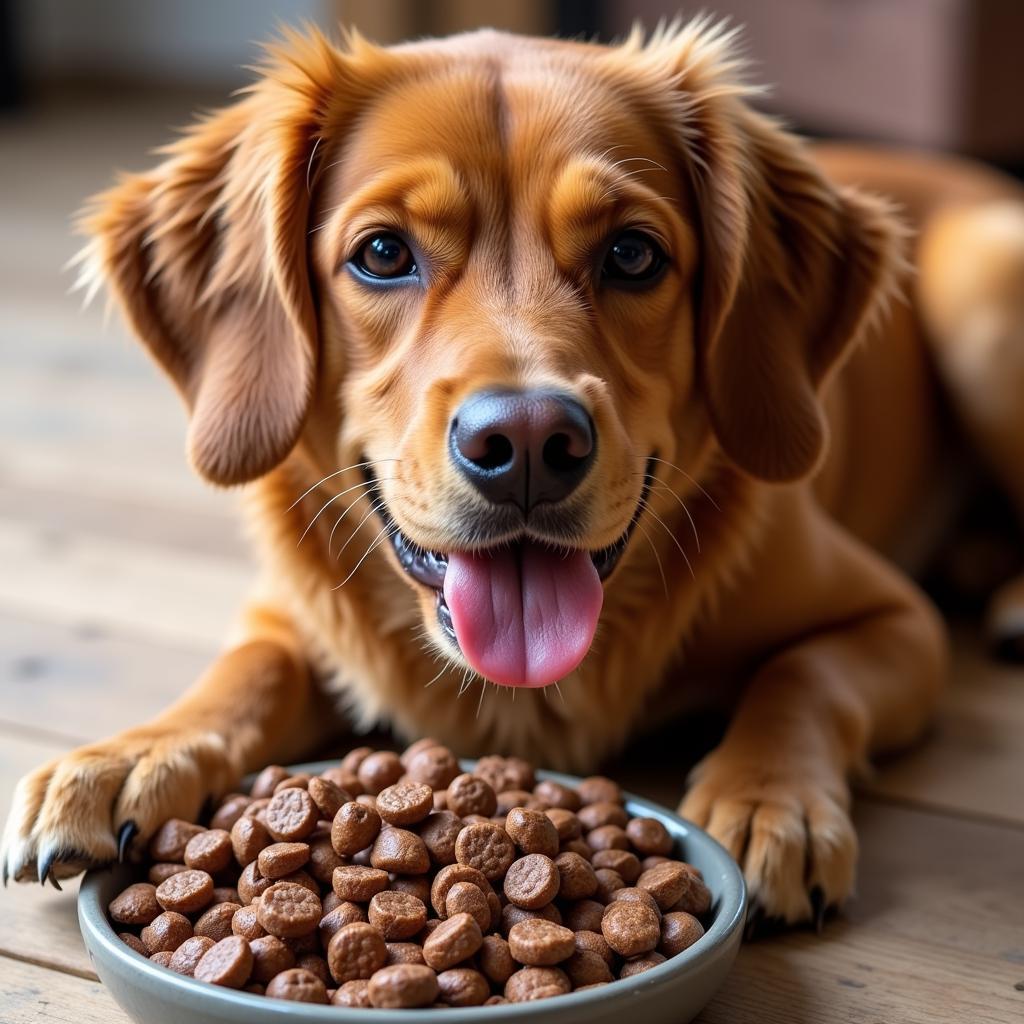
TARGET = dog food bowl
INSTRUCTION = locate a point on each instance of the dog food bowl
(671, 993)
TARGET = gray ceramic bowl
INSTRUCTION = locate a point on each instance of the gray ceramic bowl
(672, 993)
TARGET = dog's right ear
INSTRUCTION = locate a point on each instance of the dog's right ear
(207, 256)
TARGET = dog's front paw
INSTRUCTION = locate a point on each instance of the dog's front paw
(87, 807)
(788, 827)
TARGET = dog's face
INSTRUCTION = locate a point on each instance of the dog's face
(506, 280)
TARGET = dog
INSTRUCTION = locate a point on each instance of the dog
(553, 364)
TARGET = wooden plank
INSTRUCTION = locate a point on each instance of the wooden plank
(87, 684)
(973, 761)
(173, 597)
(32, 994)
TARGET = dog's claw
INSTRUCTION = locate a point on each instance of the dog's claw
(6, 872)
(129, 830)
(818, 908)
(45, 863)
(53, 881)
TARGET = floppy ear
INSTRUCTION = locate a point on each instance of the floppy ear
(793, 268)
(207, 257)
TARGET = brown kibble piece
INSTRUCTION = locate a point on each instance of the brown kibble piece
(248, 837)
(322, 860)
(666, 882)
(189, 953)
(209, 851)
(532, 831)
(679, 931)
(649, 837)
(251, 883)
(398, 915)
(577, 880)
(227, 963)
(511, 915)
(403, 986)
(246, 924)
(584, 915)
(161, 872)
(186, 892)
(225, 894)
(504, 773)
(354, 758)
(496, 959)
(599, 789)
(608, 837)
(640, 964)
(631, 929)
(162, 957)
(300, 781)
(565, 822)
(554, 794)
(291, 815)
(337, 917)
(625, 863)
(379, 770)
(447, 877)
(353, 993)
(696, 898)
(536, 983)
(414, 885)
(401, 851)
(585, 967)
(595, 942)
(270, 956)
(359, 884)
(435, 766)
(135, 905)
(509, 798)
(487, 848)
(356, 951)
(405, 803)
(133, 942)
(425, 743)
(166, 932)
(405, 953)
(298, 985)
(632, 894)
(604, 813)
(467, 898)
(170, 839)
(608, 881)
(462, 986)
(288, 910)
(327, 796)
(354, 828)
(453, 941)
(268, 780)
(439, 831)
(216, 922)
(231, 808)
(532, 881)
(280, 859)
(540, 943)
(469, 794)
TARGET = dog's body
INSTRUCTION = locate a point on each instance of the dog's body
(768, 593)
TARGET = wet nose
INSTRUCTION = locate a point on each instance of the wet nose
(524, 447)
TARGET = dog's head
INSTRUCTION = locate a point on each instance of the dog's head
(510, 282)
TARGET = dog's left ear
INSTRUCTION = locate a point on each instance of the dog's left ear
(793, 270)
(792, 267)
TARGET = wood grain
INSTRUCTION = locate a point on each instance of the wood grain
(31, 994)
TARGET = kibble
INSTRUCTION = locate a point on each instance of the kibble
(401, 881)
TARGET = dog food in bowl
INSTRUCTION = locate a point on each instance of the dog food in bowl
(401, 882)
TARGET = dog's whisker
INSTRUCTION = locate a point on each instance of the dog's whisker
(480, 702)
(328, 503)
(374, 507)
(682, 504)
(672, 465)
(444, 668)
(657, 558)
(337, 472)
(374, 544)
(675, 540)
(355, 501)
(561, 695)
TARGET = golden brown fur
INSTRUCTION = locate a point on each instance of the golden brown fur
(510, 160)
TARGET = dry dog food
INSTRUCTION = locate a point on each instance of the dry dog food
(401, 881)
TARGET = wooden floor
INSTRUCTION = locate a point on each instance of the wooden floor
(119, 574)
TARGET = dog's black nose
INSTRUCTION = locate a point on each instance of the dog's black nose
(524, 447)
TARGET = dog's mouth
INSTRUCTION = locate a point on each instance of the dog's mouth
(522, 612)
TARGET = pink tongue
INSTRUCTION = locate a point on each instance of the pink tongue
(523, 616)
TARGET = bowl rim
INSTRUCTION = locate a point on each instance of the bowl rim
(97, 930)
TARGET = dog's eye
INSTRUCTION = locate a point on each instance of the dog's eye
(385, 256)
(633, 256)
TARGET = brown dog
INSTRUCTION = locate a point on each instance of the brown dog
(527, 342)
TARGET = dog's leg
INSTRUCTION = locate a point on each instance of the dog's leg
(971, 287)
(255, 704)
(862, 676)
